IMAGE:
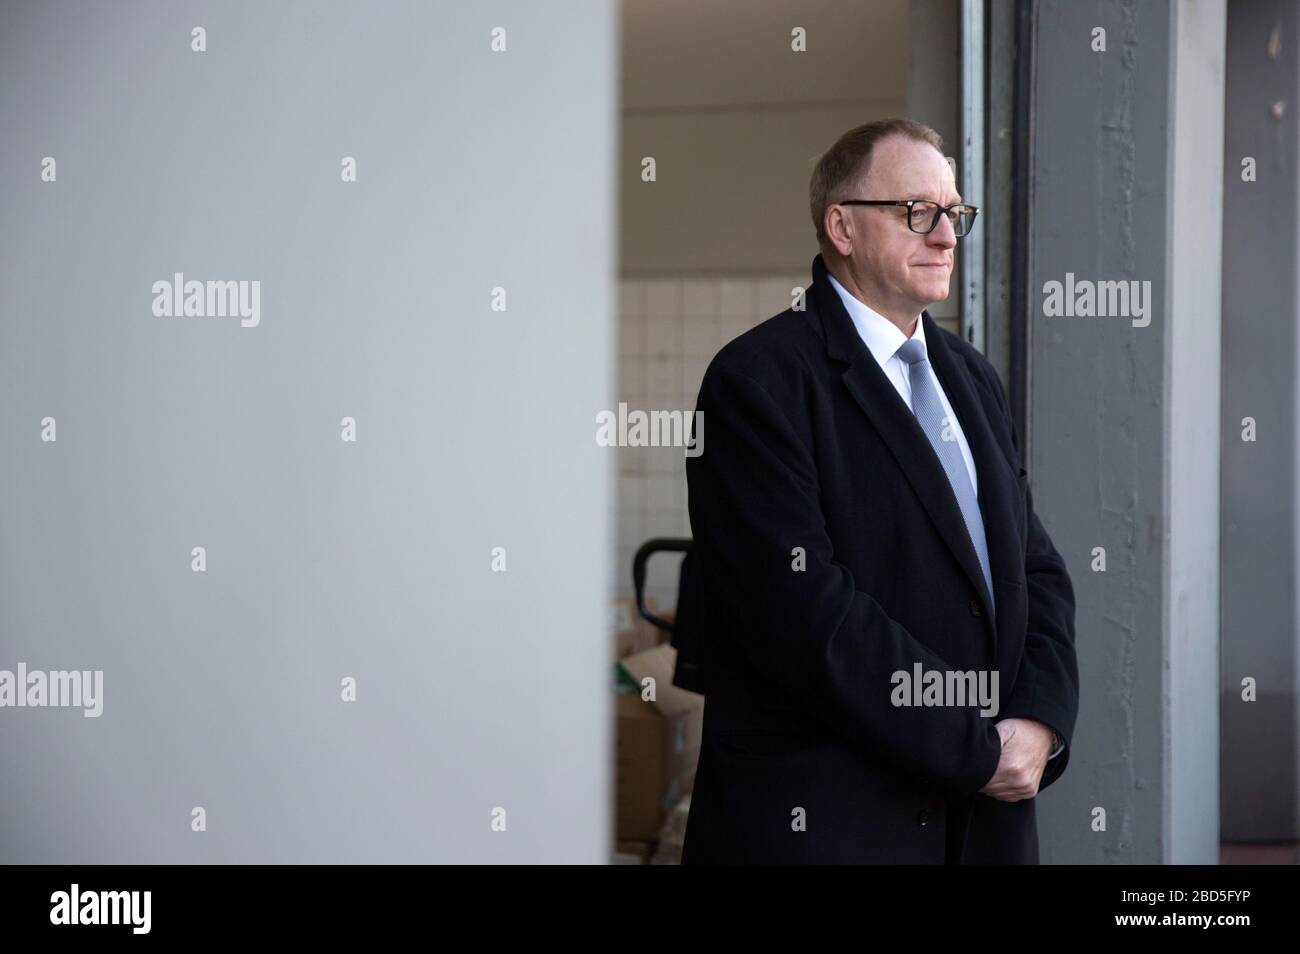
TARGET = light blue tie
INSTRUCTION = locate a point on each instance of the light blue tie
(929, 413)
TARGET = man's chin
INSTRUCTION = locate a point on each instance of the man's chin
(933, 293)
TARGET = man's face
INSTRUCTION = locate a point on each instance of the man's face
(903, 271)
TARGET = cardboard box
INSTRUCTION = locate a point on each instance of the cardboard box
(632, 853)
(658, 745)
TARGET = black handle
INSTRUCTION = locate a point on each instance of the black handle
(657, 545)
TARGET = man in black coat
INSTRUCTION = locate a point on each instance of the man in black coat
(867, 547)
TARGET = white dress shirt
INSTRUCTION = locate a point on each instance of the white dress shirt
(883, 338)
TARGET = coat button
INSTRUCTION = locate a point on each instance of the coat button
(923, 818)
(975, 608)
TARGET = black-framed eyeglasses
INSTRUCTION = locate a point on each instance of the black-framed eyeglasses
(923, 211)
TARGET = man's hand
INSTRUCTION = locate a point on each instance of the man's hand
(1026, 744)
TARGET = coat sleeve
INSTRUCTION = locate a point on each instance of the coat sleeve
(795, 612)
(1047, 684)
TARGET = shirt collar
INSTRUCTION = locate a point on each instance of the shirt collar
(880, 335)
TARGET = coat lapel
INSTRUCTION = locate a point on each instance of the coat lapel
(901, 432)
(998, 483)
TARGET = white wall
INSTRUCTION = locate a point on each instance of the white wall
(475, 689)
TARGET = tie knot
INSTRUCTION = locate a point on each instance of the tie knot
(912, 351)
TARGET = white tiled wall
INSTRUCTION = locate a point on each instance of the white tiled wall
(669, 330)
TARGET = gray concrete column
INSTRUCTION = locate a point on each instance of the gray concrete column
(1124, 455)
(1260, 510)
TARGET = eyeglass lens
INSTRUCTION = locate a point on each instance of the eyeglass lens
(922, 218)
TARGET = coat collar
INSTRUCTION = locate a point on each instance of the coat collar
(901, 432)
(882, 336)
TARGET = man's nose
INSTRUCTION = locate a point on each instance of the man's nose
(942, 235)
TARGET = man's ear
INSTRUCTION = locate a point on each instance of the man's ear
(841, 235)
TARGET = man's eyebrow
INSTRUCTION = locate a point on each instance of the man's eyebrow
(930, 197)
